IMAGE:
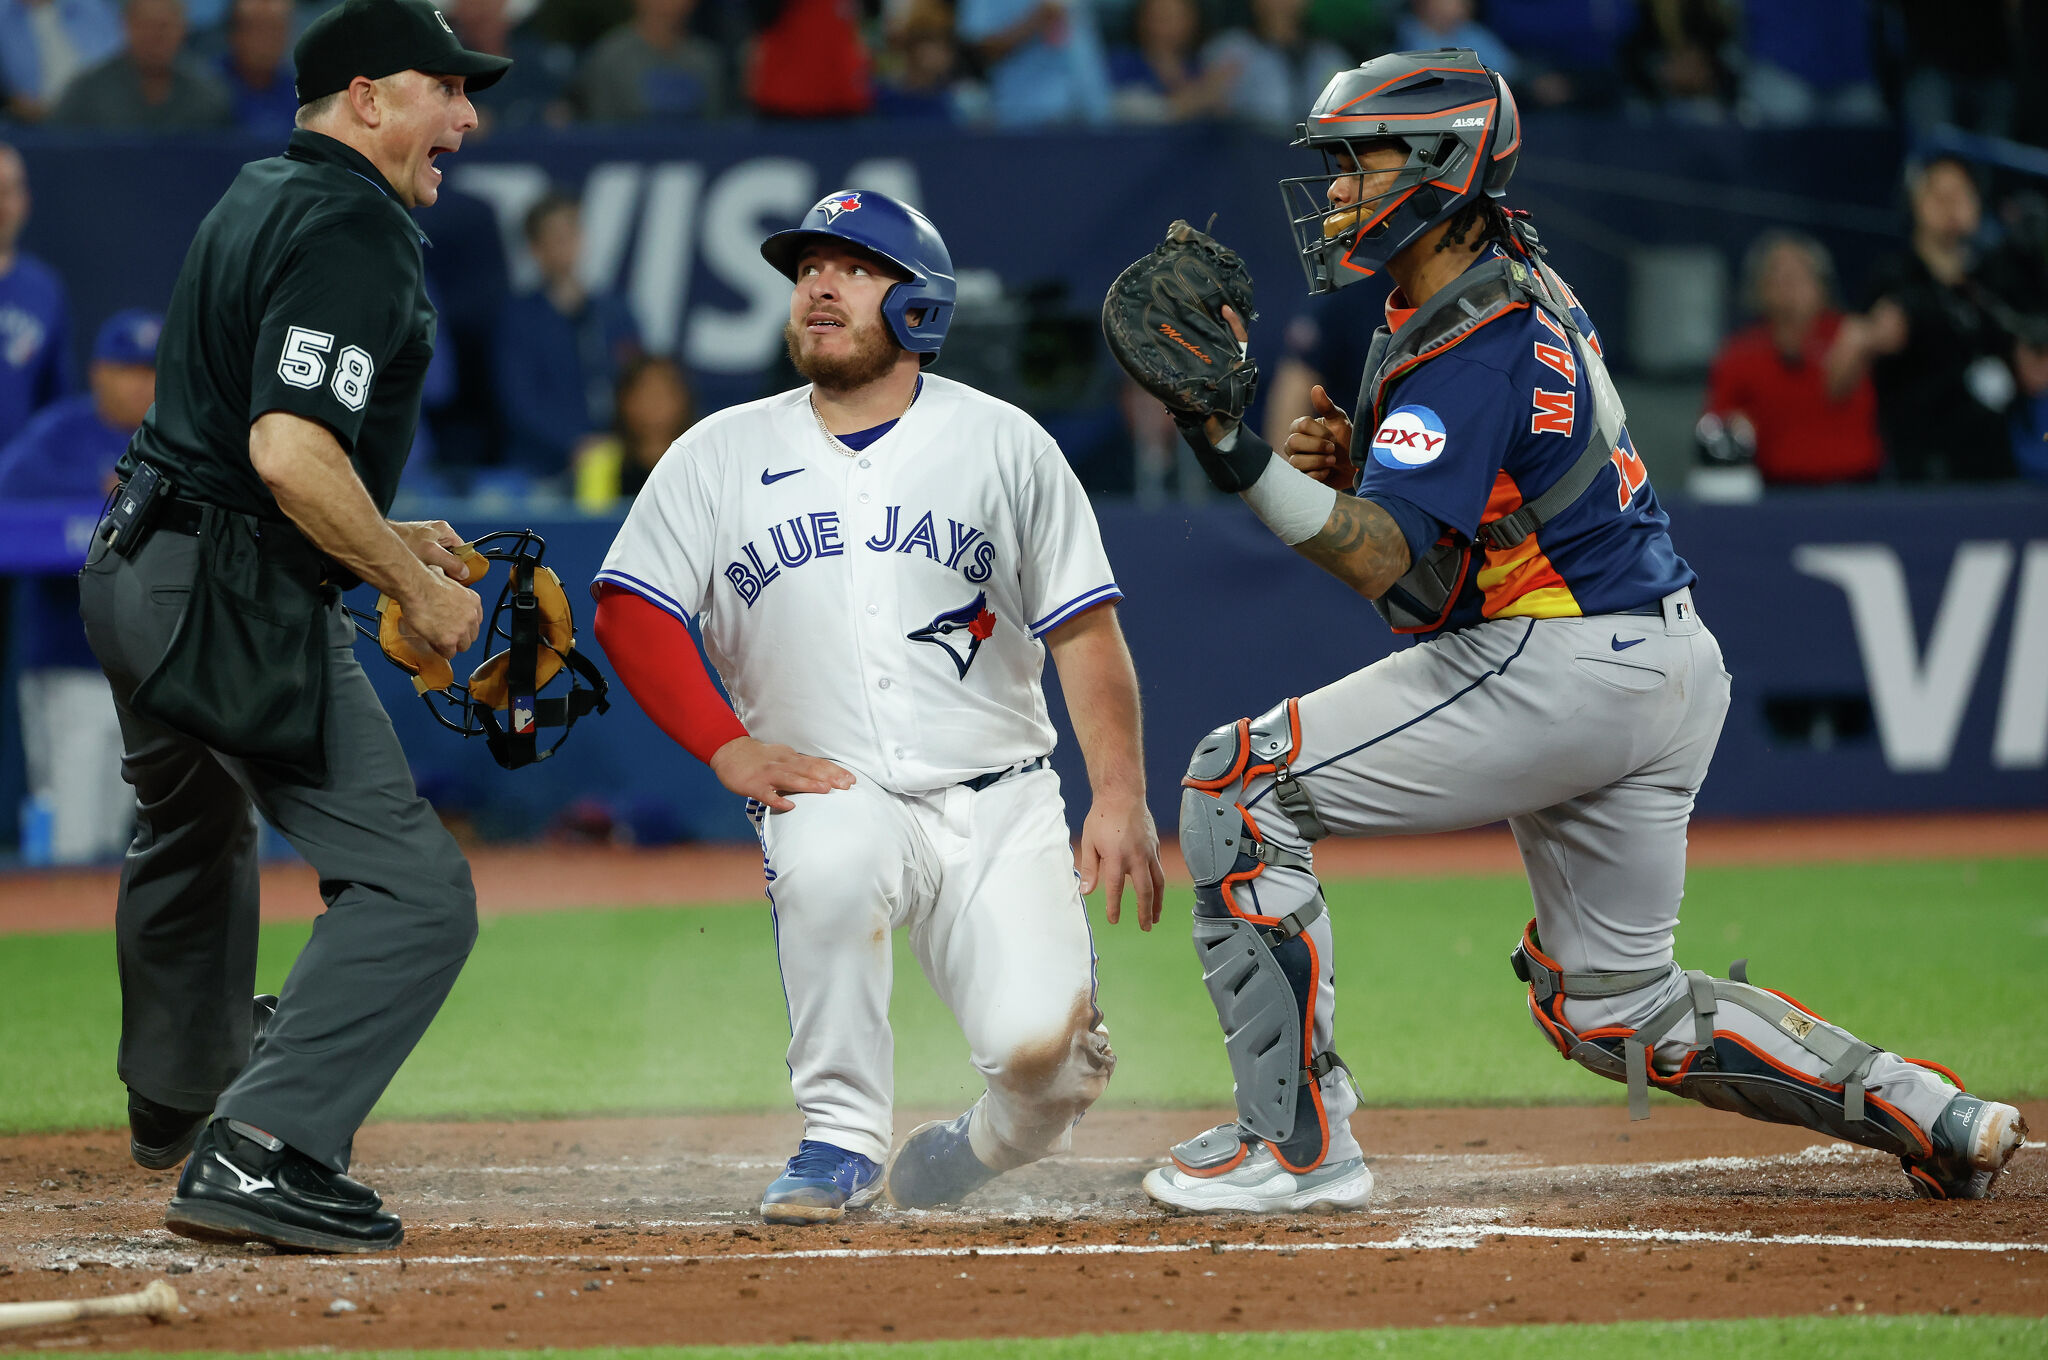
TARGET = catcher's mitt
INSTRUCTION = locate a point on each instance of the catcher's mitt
(1164, 322)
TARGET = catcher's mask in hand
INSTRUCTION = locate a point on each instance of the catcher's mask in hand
(501, 701)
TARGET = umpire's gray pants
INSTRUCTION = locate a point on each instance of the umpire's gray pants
(1590, 737)
(401, 912)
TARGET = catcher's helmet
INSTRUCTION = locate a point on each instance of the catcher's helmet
(899, 234)
(1455, 119)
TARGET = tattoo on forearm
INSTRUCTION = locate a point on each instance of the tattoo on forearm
(1360, 546)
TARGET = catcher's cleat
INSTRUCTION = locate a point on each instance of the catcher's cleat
(1258, 1184)
(936, 1165)
(820, 1184)
(161, 1136)
(242, 1186)
(1973, 1140)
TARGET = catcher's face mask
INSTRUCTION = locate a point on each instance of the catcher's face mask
(1458, 133)
(501, 702)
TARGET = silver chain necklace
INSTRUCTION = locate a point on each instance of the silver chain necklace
(833, 439)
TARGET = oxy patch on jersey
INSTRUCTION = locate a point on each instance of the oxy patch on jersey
(960, 632)
(1409, 437)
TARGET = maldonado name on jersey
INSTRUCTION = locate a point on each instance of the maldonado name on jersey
(806, 538)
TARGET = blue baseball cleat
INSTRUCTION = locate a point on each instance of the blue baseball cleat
(936, 1165)
(820, 1184)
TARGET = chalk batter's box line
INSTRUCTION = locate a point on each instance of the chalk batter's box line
(1433, 1239)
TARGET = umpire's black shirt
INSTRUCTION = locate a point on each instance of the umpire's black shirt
(302, 293)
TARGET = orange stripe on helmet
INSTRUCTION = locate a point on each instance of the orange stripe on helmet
(1511, 112)
(1338, 116)
(1410, 74)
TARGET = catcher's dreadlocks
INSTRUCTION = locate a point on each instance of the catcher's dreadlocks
(1484, 213)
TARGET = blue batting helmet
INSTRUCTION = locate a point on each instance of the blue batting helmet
(892, 231)
(1455, 121)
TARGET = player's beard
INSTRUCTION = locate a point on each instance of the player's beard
(872, 356)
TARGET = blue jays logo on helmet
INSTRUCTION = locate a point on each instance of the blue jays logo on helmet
(839, 203)
(960, 632)
(898, 235)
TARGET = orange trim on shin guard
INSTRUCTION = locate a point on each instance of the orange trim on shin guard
(1231, 1165)
(1308, 1053)
(1933, 1066)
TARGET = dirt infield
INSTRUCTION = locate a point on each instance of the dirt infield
(639, 1231)
(555, 878)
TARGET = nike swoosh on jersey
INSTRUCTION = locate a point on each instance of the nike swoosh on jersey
(771, 478)
(1621, 646)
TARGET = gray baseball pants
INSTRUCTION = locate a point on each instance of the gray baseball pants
(401, 912)
(1590, 737)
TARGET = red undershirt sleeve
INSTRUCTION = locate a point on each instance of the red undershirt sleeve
(659, 664)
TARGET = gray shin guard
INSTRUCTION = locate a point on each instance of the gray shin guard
(1263, 988)
(1261, 972)
(1722, 1071)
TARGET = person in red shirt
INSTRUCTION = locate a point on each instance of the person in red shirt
(1801, 374)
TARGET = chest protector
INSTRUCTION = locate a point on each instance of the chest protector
(1422, 599)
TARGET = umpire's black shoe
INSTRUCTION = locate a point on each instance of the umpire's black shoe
(161, 1136)
(240, 1187)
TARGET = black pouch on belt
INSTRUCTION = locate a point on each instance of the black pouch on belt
(246, 668)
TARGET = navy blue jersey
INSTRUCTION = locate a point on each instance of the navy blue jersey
(35, 362)
(1492, 422)
(66, 453)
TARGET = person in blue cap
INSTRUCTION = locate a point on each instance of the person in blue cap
(70, 736)
(35, 366)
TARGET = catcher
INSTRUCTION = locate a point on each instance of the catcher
(1490, 503)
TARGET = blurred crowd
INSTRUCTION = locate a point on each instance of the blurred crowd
(175, 65)
(1942, 376)
(1935, 369)
(1931, 369)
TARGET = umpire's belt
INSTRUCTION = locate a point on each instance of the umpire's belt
(288, 545)
(180, 517)
(982, 781)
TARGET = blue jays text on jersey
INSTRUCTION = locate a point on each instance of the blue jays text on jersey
(804, 538)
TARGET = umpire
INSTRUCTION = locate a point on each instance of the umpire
(288, 390)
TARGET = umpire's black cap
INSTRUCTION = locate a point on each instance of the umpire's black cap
(377, 38)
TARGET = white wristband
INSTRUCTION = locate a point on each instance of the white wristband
(1293, 504)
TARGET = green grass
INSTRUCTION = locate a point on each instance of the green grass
(1798, 1338)
(682, 1009)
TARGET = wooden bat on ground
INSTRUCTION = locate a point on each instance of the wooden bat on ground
(157, 1301)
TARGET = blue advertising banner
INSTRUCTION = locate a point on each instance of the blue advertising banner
(1890, 653)
(674, 218)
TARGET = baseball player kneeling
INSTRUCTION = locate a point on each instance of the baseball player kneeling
(880, 561)
(1490, 503)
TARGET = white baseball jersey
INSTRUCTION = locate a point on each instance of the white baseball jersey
(882, 608)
